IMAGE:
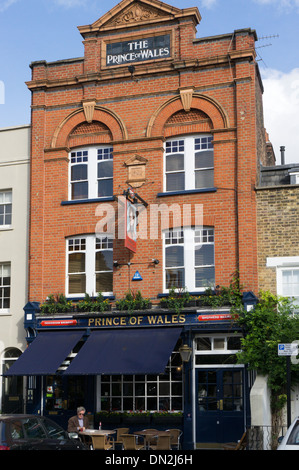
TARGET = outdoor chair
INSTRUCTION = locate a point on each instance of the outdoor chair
(150, 439)
(240, 445)
(163, 443)
(119, 434)
(175, 435)
(101, 443)
(129, 442)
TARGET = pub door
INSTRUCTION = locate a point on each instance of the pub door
(219, 399)
(62, 396)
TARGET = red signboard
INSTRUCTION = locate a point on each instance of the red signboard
(219, 316)
(58, 322)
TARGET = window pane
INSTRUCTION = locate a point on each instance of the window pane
(33, 429)
(175, 182)
(204, 277)
(105, 169)
(104, 282)
(174, 256)
(203, 344)
(104, 260)
(204, 255)
(76, 262)
(105, 187)
(175, 278)
(204, 159)
(80, 190)
(204, 179)
(77, 284)
(175, 162)
(78, 172)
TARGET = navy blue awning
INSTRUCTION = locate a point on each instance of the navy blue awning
(46, 353)
(125, 351)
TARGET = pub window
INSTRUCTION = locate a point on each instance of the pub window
(91, 173)
(163, 392)
(189, 163)
(89, 265)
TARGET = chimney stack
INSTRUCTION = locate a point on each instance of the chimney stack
(282, 150)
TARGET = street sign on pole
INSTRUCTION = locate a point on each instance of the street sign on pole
(288, 349)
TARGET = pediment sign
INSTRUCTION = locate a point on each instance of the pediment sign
(134, 12)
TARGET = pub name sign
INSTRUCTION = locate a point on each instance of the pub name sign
(138, 50)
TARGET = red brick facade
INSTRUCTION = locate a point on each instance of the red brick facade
(205, 85)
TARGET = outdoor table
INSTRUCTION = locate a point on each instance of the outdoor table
(147, 433)
(95, 432)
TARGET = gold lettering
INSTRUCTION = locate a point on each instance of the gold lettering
(90, 321)
(166, 319)
(140, 320)
(182, 318)
(174, 319)
(152, 320)
(116, 321)
(160, 319)
(132, 321)
(108, 322)
(123, 321)
(98, 322)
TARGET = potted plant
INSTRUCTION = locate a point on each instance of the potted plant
(132, 301)
(137, 417)
(176, 300)
(167, 418)
(56, 304)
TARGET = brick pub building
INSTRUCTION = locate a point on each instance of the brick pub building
(178, 119)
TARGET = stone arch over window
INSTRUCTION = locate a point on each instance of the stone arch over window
(208, 114)
(103, 121)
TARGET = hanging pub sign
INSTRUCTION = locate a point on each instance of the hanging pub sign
(138, 50)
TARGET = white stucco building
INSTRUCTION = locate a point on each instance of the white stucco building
(14, 209)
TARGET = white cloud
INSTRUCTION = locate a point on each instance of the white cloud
(208, 3)
(283, 5)
(5, 4)
(70, 3)
(281, 111)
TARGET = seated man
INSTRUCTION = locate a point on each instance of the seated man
(79, 422)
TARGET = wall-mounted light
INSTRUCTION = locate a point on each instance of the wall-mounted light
(155, 261)
(131, 69)
(185, 352)
(115, 264)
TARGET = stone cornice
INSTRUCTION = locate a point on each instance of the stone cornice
(167, 66)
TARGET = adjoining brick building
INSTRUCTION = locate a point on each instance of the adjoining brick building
(278, 237)
(179, 120)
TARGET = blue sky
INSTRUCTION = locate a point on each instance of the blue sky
(33, 30)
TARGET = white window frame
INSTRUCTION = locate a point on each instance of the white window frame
(4, 195)
(214, 351)
(189, 150)
(189, 241)
(90, 263)
(282, 264)
(4, 310)
(91, 159)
